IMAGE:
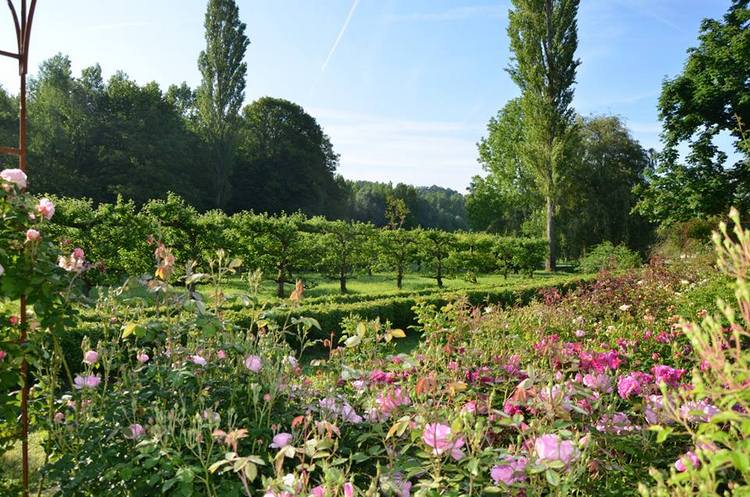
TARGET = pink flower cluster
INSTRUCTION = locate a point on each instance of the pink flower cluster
(668, 375)
(633, 384)
(390, 400)
(618, 423)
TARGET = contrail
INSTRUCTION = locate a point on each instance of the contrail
(341, 34)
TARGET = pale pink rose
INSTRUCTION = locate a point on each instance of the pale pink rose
(253, 363)
(59, 418)
(198, 360)
(281, 440)
(512, 470)
(46, 208)
(142, 357)
(438, 437)
(15, 176)
(318, 491)
(136, 431)
(456, 452)
(32, 235)
(550, 448)
(90, 381)
(91, 357)
(78, 253)
(221, 354)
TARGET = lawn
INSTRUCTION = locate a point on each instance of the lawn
(380, 284)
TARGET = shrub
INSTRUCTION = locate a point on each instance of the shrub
(609, 257)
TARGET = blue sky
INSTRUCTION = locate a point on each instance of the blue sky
(404, 88)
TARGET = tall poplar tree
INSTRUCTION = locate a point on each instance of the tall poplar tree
(544, 38)
(222, 89)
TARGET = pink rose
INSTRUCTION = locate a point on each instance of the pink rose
(2, 355)
(598, 381)
(221, 354)
(550, 448)
(59, 417)
(91, 357)
(281, 440)
(136, 431)
(253, 363)
(512, 470)
(15, 176)
(82, 382)
(32, 235)
(318, 491)
(46, 208)
(348, 489)
(198, 360)
(142, 357)
(690, 458)
(439, 437)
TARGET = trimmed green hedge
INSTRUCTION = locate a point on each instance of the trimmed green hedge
(399, 309)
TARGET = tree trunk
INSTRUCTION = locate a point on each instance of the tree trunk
(280, 284)
(551, 263)
(439, 276)
(342, 282)
(399, 278)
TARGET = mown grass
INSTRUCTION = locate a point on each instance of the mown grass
(10, 461)
(381, 284)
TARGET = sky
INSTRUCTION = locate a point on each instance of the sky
(404, 88)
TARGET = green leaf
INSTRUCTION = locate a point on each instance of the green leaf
(133, 329)
(553, 477)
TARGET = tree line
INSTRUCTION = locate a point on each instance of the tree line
(120, 238)
(98, 139)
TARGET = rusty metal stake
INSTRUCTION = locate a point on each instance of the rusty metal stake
(22, 25)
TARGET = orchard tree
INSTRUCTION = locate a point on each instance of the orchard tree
(176, 224)
(222, 89)
(396, 250)
(544, 38)
(282, 246)
(341, 247)
(435, 247)
(473, 254)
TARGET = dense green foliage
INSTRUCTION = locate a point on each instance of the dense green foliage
(710, 97)
(596, 196)
(607, 257)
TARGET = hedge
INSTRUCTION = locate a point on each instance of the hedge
(399, 309)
